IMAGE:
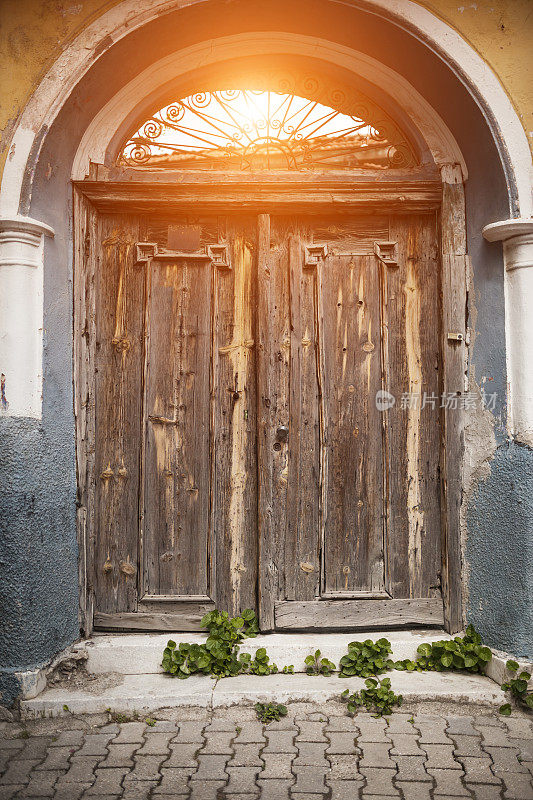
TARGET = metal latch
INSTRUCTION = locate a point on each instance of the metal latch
(456, 337)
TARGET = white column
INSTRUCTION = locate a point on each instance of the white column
(517, 238)
(21, 315)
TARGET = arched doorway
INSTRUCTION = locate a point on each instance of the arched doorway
(271, 263)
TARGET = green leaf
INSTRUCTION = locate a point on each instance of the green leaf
(525, 676)
(506, 710)
(528, 700)
(447, 660)
(512, 666)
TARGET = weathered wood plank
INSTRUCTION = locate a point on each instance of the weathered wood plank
(187, 619)
(177, 456)
(119, 324)
(346, 614)
(234, 495)
(353, 535)
(413, 423)
(454, 355)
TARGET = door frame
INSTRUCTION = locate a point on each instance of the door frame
(420, 189)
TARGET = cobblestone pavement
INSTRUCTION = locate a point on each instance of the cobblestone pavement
(315, 753)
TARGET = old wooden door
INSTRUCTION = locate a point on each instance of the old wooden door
(349, 496)
(267, 420)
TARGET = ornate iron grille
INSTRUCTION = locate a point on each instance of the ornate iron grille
(253, 129)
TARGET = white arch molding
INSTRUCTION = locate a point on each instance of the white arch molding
(100, 35)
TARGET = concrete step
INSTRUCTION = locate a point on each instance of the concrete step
(141, 653)
(146, 694)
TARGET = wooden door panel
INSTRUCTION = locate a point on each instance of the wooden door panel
(234, 490)
(118, 377)
(177, 462)
(411, 354)
(353, 519)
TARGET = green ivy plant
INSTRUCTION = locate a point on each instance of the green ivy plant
(365, 659)
(518, 686)
(378, 697)
(461, 654)
(219, 656)
(315, 665)
(269, 712)
(259, 664)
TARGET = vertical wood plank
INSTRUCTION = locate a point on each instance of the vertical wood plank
(119, 324)
(413, 428)
(453, 300)
(235, 407)
(177, 458)
(353, 537)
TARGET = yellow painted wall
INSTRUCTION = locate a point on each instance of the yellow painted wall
(33, 33)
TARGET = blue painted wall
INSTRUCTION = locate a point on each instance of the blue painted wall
(38, 554)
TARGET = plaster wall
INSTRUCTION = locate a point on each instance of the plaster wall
(38, 498)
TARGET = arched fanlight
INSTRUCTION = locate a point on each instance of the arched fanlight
(254, 129)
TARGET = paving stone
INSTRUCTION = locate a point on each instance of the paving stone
(108, 781)
(372, 731)
(246, 755)
(41, 784)
(211, 768)
(399, 723)
(379, 781)
(344, 790)
(344, 767)
(277, 766)
(35, 749)
(307, 796)
(448, 783)
(529, 766)
(440, 756)
(182, 755)
(415, 791)
(309, 731)
(488, 719)
(70, 791)
(341, 742)
(57, 758)
(156, 743)
(95, 744)
(375, 754)
(403, 745)
(221, 725)
(140, 791)
(9, 792)
(461, 726)
(412, 768)
(524, 747)
(432, 730)
(11, 744)
(190, 730)
(483, 791)
(250, 732)
(206, 790)
(311, 754)
(5, 758)
(280, 742)
(505, 760)
(72, 738)
(147, 768)
(18, 772)
(284, 724)
(81, 770)
(517, 787)
(493, 737)
(274, 789)
(310, 780)
(468, 746)
(345, 723)
(119, 755)
(242, 780)
(520, 727)
(175, 781)
(218, 742)
(478, 770)
(130, 732)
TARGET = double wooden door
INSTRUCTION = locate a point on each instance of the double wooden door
(267, 420)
